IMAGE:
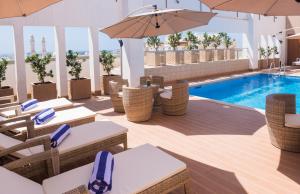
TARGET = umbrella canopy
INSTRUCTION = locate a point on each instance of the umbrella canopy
(294, 37)
(158, 22)
(15, 8)
(263, 7)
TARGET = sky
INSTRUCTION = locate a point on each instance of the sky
(76, 39)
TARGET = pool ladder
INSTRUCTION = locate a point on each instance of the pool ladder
(282, 68)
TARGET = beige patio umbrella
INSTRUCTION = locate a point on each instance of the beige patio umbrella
(16, 8)
(158, 22)
(263, 7)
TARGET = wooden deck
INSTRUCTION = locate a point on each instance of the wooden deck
(227, 149)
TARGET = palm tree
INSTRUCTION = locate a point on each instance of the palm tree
(206, 40)
(192, 40)
(216, 40)
(154, 42)
(174, 40)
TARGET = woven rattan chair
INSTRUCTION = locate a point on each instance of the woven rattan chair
(116, 99)
(138, 103)
(143, 80)
(158, 80)
(278, 107)
(175, 102)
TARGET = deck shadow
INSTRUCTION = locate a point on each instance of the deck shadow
(205, 117)
(95, 104)
(208, 179)
(289, 165)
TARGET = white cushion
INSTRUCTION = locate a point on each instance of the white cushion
(12, 183)
(292, 120)
(54, 103)
(65, 116)
(135, 170)
(6, 142)
(87, 134)
(166, 94)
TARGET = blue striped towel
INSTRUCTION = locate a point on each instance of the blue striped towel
(44, 116)
(29, 104)
(101, 179)
(59, 135)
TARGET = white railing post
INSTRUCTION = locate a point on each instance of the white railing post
(94, 60)
(20, 68)
(60, 56)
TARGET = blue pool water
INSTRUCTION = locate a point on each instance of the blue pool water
(250, 91)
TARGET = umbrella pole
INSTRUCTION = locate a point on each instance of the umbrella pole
(121, 57)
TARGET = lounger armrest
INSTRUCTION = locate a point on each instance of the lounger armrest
(79, 190)
(45, 141)
(8, 108)
(10, 97)
(9, 104)
(15, 119)
(51, 155)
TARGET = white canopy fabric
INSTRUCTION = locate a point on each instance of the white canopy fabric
(16, 8)
(263, 7)
(158, 22)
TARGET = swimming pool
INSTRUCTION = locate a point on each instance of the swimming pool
(250, 91)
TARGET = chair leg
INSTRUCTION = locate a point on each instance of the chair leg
(125, 145)
(186, 188)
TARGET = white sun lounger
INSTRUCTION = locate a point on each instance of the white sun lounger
(74, 116)
(87, 139)
(144, 169)
(56, 104)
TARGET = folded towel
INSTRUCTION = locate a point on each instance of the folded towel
(44, 116)
(101, 179)
(29, 104)
(59, 135)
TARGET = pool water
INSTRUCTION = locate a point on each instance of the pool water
(250, 91)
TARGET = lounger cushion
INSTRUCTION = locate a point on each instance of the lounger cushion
(65, 116)
(12, 183)
(292, 120)
(87, 134)
(6, 142)
(58, 103)
(166, 95)
(135, 170)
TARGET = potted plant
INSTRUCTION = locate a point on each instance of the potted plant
(174, 56)
(155, 57)
(107, 59)
(275, 52)
(228, 42)
(43, 90)
(79, 88)
(191, 55)
(216, 41)
(4, 90)
(207, 55)
(262, 63)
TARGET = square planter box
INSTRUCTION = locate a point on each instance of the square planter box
(155, 58)
(191, 57)
(105, 81)
(6, 91)
(209, 54)
(43, 92)
(174, 57)
(219, 55)
(79, 89)
(263, 64)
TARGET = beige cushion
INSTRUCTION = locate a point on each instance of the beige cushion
(12, 183)
(292, 120)
(166, 94)
(6, 142)
(65, 116)
(54, 103)
(87, 134)
(135, 170)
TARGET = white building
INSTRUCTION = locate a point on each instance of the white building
(96, 14)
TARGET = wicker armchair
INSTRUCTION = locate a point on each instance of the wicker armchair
(175, 102)
(116, 100)
(277, 108)
(138, 103)
(158, 80)
(143, 80)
